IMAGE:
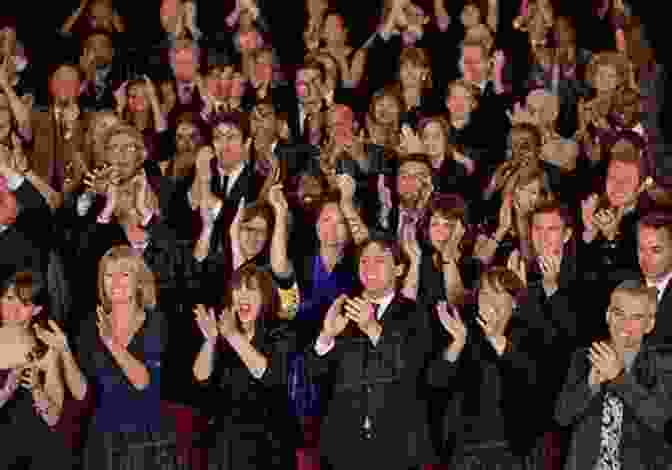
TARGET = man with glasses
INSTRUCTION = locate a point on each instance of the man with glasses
(617, 394)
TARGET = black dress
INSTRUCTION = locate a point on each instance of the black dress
(27, 441)
(252, 427)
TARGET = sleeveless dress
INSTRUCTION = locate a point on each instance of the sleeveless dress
(128, 429)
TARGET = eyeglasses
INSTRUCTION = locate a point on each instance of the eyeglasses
(254, 230)
(126, 148)
(620, 316)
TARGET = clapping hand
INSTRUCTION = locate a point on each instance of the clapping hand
(334, 321)
(54, 338)
(453, 324)
(227, 324)
(105, 327)
(207, 322)
(606, 362)
(518, 265)
(410, 142)
(608, 221)
(361, 311)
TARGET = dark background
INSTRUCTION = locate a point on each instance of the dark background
(39, 20)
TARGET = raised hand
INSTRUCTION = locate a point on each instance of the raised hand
(70, 116)
(206, 321)
(19, 162)
(453, 324)
(277, 200)
(54, 338)
(347, 187)
(450, 251)
(506, 216)
(227, 323)
(105, 327)
(361, 312)
(410, 142)
(607, 362)
(517, 264)
(493, 321)
(31, 377)
(334, 321)
(120, 96)
(608, 221)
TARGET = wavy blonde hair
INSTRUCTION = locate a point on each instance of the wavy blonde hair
(143, 278)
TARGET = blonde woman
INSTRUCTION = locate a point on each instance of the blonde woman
(119, 352)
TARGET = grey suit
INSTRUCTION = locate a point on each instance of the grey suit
(646, 392)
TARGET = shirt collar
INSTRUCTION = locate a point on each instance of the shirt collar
(384, 303)
(661, 285)
(235, 173)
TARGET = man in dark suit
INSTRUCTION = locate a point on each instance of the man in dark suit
(58, 132)
(617, 394)
(655, 263)
(304, 105)
(103, 71)
(377, 348)
(24, 226)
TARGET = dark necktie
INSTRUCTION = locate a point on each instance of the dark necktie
(225, 184)
(57, 166)
(367, 430)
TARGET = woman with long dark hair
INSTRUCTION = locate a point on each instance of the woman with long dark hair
(31, 391)
(243, 361)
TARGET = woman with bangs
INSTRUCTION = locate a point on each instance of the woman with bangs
(510, 240)
(485, 363)
(243, 362)
(452, 169)
(138, 105)
(383, 121)
(445, 271)
(119, 351)
(31, 390)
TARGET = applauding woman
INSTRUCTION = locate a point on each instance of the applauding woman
(244, 363)
(120, 355)
(31, 392)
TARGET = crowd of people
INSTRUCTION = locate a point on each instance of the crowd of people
(440, 240)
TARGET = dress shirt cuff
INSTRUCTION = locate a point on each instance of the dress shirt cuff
(594, 388)
(84, 203)
(443, 21)
(385, 35)
(258, 372)
(324, 345)
(450, 356)
(589, 236)
(14, 181)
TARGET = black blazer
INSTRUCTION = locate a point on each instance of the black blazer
(24, 244)
(645, 392)
(381, 382)
(489, 393)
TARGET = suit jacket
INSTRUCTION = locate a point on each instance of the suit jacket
(24, 245)
(381, 382)
(662, 332)
(489, 392)
(50, 147)
(645, 392)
